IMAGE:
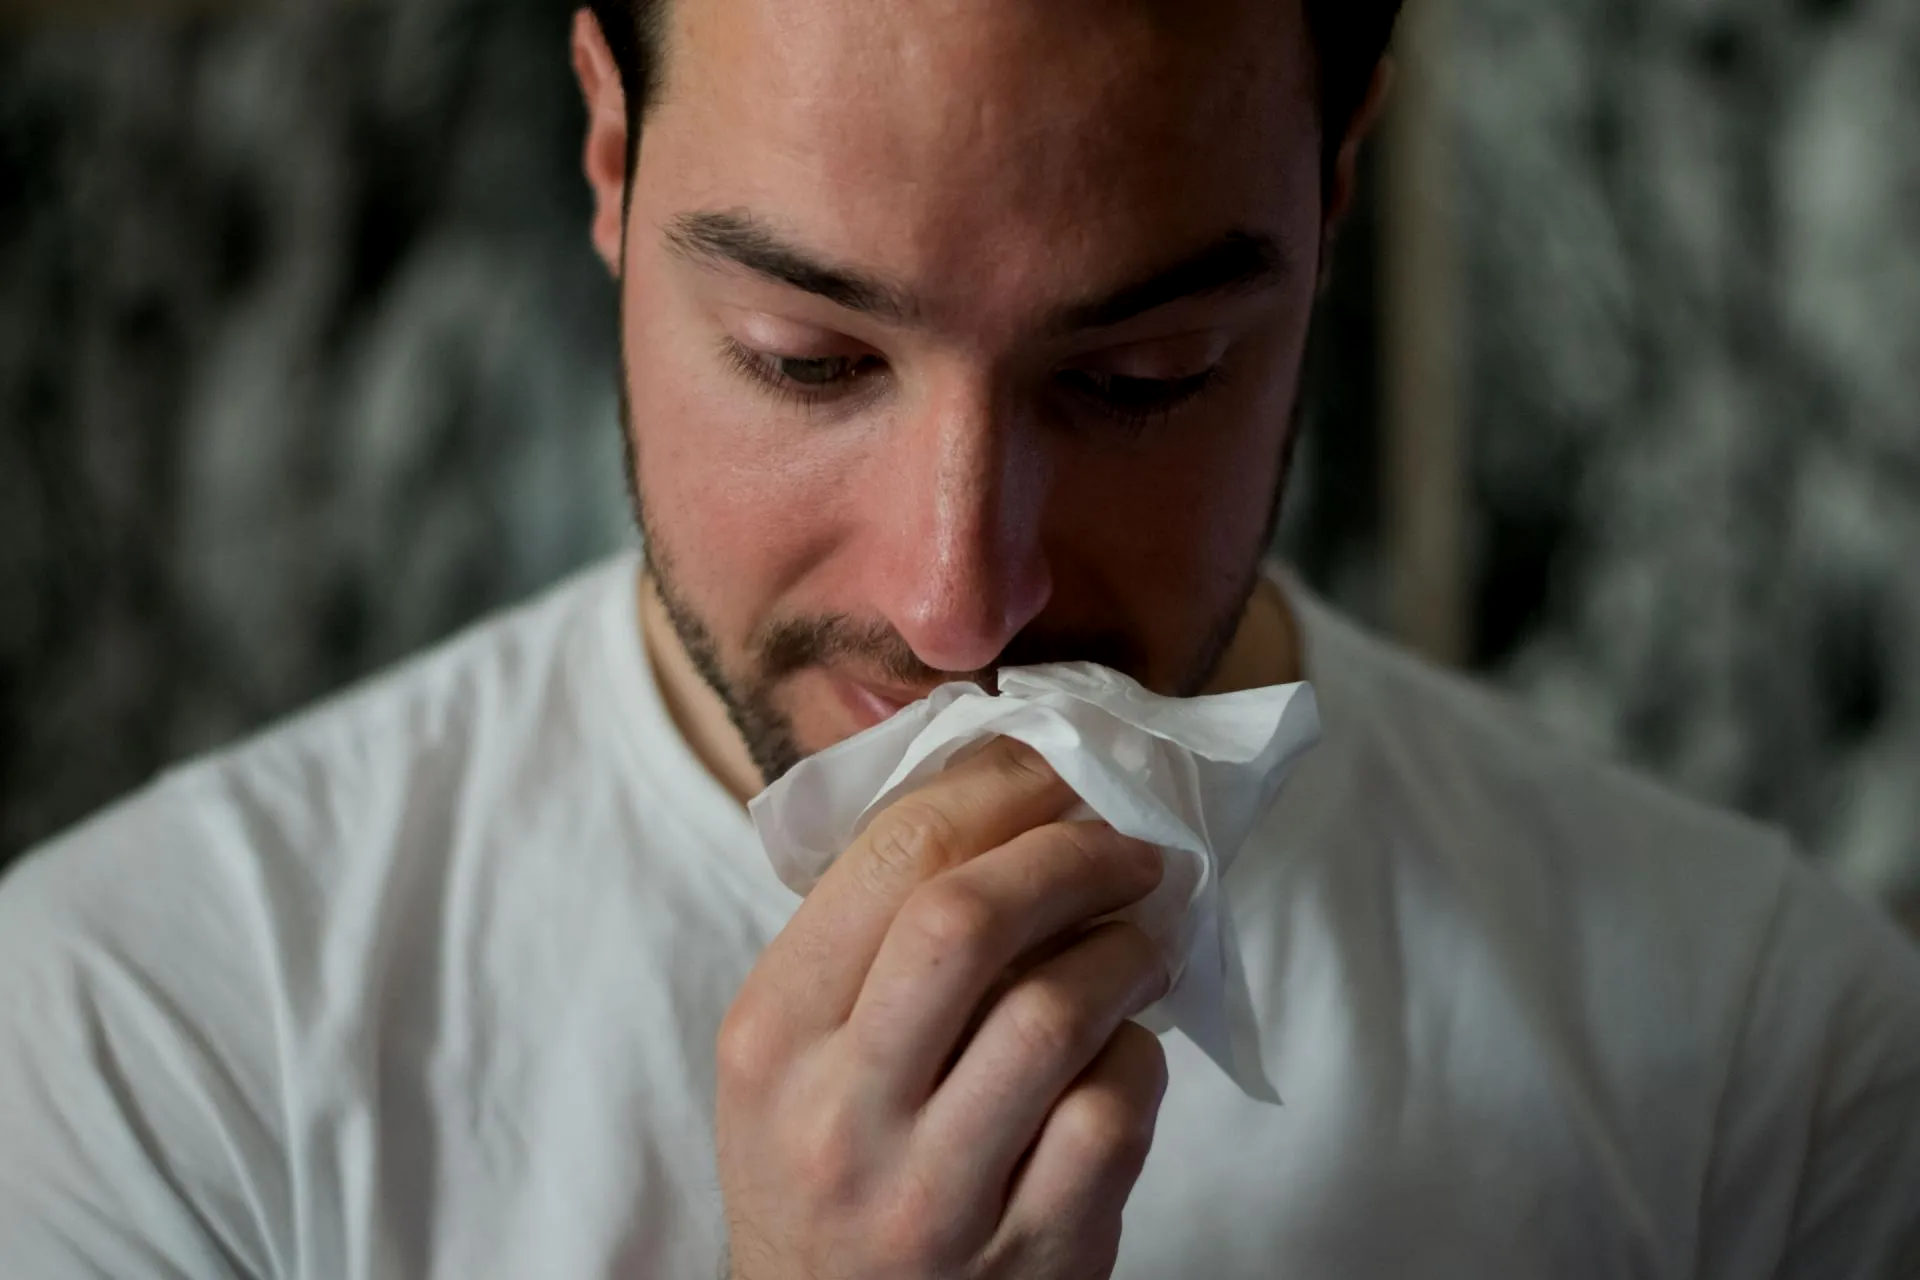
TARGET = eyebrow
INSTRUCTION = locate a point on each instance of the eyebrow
(742, 241)
(1239, 262)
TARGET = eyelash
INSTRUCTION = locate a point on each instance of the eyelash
(1169, 395)
(761, 369)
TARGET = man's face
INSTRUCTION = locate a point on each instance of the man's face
(963, 333)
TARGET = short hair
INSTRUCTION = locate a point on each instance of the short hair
(1349, 36)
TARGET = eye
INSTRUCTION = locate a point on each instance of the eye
(822, 371)
(807, 378)
(1136, 400)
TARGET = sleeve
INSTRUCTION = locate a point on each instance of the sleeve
(136, 1123)
(1816, 1168)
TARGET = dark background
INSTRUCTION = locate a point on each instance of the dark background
(304, 362)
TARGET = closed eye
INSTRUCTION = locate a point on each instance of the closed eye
(803, 378)
(1135, 401)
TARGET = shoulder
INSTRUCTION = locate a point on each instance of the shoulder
(1589, 883)
(1712, 981)
(498, 689)
(180, 966)
(1490, 788)
(138, 1062)
(1475, 783)
(263, 828)
(1817, 1153)
(214, 890)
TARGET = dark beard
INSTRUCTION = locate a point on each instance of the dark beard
(767, 732)
(790, 646)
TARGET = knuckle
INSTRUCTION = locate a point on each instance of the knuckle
(911, 840)
(828, 1155)
(914, 1232)
(751, 1048)
(949, 917)
(1046, 1022)
(1106, 1127)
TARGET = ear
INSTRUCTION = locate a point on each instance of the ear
(1345, 180)
(605, 158)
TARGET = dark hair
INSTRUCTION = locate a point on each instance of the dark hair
(1350, 37)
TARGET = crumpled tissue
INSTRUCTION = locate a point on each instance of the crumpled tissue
(1190, 775)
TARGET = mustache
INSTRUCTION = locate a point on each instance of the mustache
(792, 645)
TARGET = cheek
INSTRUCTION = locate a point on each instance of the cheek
(741, 502)
(1174, 539)
(1170, 525)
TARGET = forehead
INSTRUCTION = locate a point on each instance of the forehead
(991, 142)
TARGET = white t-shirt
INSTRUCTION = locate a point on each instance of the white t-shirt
(425, 984)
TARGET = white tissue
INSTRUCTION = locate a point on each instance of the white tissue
(1190, 775)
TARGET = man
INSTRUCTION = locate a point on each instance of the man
(955, 336)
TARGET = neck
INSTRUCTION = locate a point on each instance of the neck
(1265, 650)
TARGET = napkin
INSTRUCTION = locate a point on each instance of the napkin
(1189, 775)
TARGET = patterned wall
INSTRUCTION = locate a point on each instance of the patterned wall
(1694, 308)
(303, 362)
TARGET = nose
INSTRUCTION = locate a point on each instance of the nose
(961, 566)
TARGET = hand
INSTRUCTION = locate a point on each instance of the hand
(930, 1072)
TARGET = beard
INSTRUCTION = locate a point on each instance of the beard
(785, 647)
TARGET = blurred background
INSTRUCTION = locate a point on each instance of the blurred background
(305, 362)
